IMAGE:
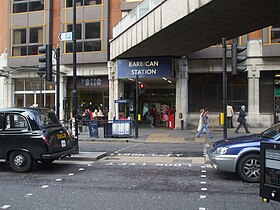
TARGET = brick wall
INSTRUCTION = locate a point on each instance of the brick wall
(3, 25)
(115, 14)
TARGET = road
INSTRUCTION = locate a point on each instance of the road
(154, 180)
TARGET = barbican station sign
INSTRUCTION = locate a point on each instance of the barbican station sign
(152, 67)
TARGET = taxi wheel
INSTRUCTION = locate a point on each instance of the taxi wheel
(249, 168)
(20, 161)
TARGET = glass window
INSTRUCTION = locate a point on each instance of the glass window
(32, 84)
(19, 100)
(1, 121)
(78, 30)
(19, 51)
(206, 91)
(92, 30)
(36, 35)
(15, 121)
(92, 46)
(89, 40)
(83, 2)
(275, 33)
(27, 5)
(36, 5)
(25, 46)
(19, 36)
(19, 85)
(20, 7)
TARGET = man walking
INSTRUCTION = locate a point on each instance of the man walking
(230, 114)
(242, 120)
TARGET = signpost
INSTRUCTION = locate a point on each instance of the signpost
(66, 36)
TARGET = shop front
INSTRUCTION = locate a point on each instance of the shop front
(157, 75)
(93, 93)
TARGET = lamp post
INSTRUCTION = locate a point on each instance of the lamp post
(41, 74)
(75, 95)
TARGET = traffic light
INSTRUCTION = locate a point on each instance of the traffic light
(237, 59)
(45, 61)
(141, 88)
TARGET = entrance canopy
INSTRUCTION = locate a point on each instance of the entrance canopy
(180, 27)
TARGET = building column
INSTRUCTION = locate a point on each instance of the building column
(182, 94)
(254, 50)
(63, 95)
(113, 88)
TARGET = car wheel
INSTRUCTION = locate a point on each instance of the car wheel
(249, 168)
(20, 161)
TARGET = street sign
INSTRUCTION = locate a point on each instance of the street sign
(67, 36)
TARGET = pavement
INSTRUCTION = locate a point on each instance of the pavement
(158, 135)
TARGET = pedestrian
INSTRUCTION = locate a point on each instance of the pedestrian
(153, 115)
(200, 120)
(242, 120)
(204, 125)
(230, 114)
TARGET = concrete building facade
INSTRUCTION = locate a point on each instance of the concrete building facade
(195, 80)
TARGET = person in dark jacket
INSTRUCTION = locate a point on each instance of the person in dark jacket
(242, 120)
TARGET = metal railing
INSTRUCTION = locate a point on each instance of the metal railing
(134, 15)
(104, 128)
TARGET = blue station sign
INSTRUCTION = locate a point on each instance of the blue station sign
(150, 67)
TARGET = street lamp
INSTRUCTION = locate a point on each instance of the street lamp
(41, 74)
(75, 94)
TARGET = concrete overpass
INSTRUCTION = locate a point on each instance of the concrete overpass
(181, 27)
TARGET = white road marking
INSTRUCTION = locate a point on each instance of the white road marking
(203, 176)
(71, 174)
(5, 206)
(203, 182)
(45, 186)
(204, 189)
(81, 169)
(202, 197)
(58, 180)
(28, 195)
(203, 171)
(201, 208)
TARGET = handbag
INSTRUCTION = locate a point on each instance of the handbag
(239, 119)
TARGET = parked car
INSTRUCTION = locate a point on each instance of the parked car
(242, 154)
(32, 134)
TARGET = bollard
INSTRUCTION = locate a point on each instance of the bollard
(182, 124)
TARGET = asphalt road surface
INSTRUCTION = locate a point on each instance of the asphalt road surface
(129, 182)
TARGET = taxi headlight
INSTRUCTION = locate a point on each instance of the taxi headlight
(222, 150)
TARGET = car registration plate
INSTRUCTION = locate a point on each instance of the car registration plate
(61, 136)
(63, 143)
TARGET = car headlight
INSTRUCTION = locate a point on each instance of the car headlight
(222, 150)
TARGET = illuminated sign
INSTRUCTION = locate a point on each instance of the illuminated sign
(152, 67)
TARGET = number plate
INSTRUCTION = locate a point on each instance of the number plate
(61, 136)
(63, 143)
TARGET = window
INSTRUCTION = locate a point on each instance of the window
(206, 91)
(27, 5)
(1, 121)
(16, 122)
(83, 2)
(88, 37)
(275, 33)
(26, 41)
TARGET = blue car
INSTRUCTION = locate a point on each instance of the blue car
(242, 154)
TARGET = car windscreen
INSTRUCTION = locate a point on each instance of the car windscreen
(272, 132)
(45, 119)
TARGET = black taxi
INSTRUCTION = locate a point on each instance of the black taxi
(28, 135)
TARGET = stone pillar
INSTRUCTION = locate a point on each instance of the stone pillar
(63, 94)
(254, 50)
(112, 88)
(182, 94)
